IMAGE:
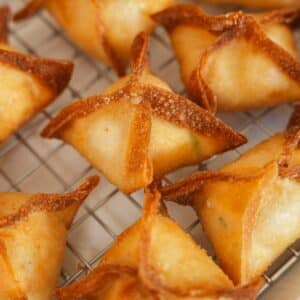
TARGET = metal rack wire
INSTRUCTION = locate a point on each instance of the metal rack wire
(29, 163)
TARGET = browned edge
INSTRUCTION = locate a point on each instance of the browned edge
(96, 280)
(148, 277)
(184, 113)
(197, 85)
(180, 191)
(79, 109)
(55, 74)
(152, 277)
(29, 9)
(287, 16)
(5, 15)
(228, 27)
(139, 61)
(294, 121)
(35, 5)
(292, 140)
(138, 162)
(51, 202)
(252, 32)
(193, 15)
(166, 105)
(111, 53)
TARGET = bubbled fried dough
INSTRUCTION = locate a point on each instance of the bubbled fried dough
(103, 28)
(33, 232)
(251, 203)
(138, 129)
(156, 259)
(27, 84)
(236, 61)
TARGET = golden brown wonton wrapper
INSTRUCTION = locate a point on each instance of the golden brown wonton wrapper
(27, 83)
(260, 3)
(33, 231)
(103, 28)
(156, 259)
(250, 209)
(139, 129)
(235, 62)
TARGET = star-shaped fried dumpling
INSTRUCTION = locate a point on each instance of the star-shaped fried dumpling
(103, 28)
(27, 83)
(33, 231)
(250, 209)
(260, 3)
(235, 62)
(156, 259)
(139, 129)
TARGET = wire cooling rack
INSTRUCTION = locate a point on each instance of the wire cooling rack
(32, 164)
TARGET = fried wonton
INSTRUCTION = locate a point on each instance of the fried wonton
(260, 3)
(33, 231)
(236, 61)
(250, 209)
(139, 129)
(103, 28)
(156, 259)
(27, 83)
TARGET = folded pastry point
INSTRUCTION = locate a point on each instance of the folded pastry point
(236, 61)
(138, 129)
(28, 83)
(33, 231)
(249, 209)
(260, 3)
(71, 202)
(139, 58)
(104, 29)
(156, 259)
